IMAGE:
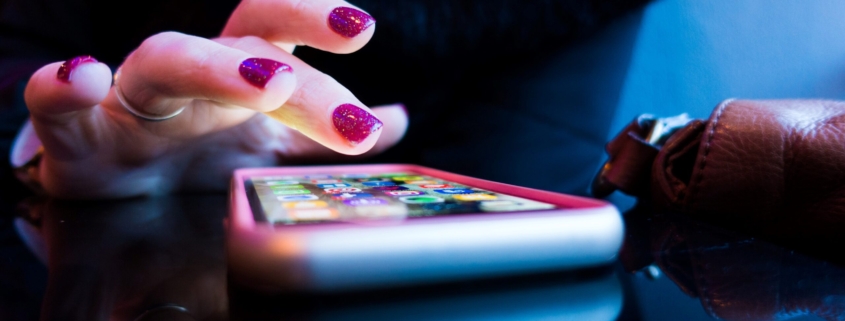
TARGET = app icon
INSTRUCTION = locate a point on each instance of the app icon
(341, 190)
(272, 183)
(291, 191)
(408, 178)
(392, 174)
(305, 204)
(295, 186)
(372, 179)
(326, 181)
(390, 188)
(321, 214)
(365, 202)
(422, 182)
(436, 186)
(454, 191)
(475, 197)
(343, 196)
(404, 193)
(371, 184)
(318, 176)
(334, 185)
(293, 198)
(420, 199)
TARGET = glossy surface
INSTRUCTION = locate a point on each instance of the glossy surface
(66, 69)
(116, 260)
(354, 123)
(349, 22)
(258, 71)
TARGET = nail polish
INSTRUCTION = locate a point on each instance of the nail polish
(354, 123)
(258, 71)
(349, 22)
(66, 69)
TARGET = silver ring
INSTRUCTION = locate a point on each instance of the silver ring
(135, 112)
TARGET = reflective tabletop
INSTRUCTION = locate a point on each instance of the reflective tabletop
(165, 259)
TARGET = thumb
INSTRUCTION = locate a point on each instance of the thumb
(61, 88)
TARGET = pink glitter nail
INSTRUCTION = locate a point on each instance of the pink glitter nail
(354, 123)
(258, 71)
(66, 69)
(349, 22)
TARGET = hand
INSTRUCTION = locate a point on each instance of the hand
(94, 147)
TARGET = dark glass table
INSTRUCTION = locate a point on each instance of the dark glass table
(164, 259)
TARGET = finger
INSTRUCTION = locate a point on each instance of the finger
(56, 92)
(395, 119)
(171, 69)
(320, 108)
(60, 97)
(330, 25)
(395, 124)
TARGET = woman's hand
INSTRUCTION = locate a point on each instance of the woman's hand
(221, 91)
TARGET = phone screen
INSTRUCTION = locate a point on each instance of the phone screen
(318, 198)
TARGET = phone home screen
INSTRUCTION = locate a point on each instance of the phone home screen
(368, 196)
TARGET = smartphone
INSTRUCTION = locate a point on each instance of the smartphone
(335, 228)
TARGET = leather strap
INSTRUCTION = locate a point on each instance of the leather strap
(632, 153)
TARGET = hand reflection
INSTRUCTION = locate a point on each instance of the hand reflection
(142, 259)
(735, 277)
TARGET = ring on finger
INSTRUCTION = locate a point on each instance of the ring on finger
(134, 111)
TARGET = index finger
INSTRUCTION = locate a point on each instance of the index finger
(331, 25)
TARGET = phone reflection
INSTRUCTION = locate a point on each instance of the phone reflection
(735, 277)
(592, 294)
(138, 259)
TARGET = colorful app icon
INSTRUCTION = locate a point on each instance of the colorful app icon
(408, 178)
(404, 193)
(454, 191)
(294, 198)
(355, 175)
(322, 214)
(422, 182)
(475, 197)
(286, 182)
(344, 196)
(326, 181)
(334, 185)
(294, 186)
(318, 176)
(372, 179)
(305, 204)
(390, 188)
(420, 199)
(365, 202)
(291, 191)
(341, 190)
(436, 186)
(372, 184)
(392, 174)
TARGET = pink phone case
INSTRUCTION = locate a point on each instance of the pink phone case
(328, 257)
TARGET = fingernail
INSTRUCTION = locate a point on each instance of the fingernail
(68, 66)
(258, 71)
(354, 123)
(349, 22)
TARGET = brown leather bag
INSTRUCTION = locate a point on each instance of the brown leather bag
(773, 167)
